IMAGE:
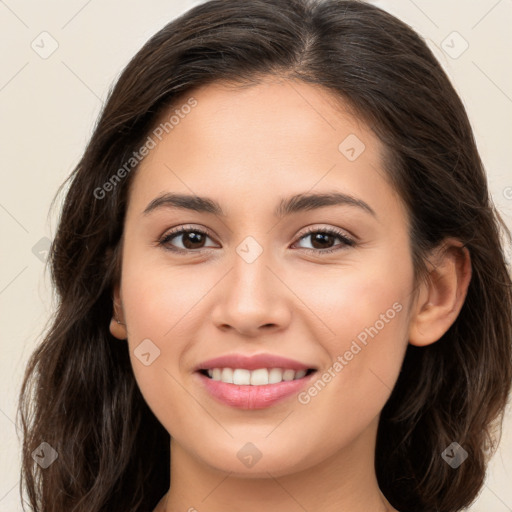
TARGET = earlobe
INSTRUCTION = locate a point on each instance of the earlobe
(442, 296)
(117, 330)
(117, 324)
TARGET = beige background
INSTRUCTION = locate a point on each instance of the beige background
(48, 107)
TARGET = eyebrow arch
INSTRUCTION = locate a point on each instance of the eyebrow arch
(287, 206)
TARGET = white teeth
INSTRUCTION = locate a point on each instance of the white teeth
(275, 375)
(259, 377)
(288, 374)
(241, 377)
(227, 375)
(299, 374)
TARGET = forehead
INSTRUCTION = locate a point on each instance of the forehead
(255, 113)
(281, 137)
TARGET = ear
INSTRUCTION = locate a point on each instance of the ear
(117, 322)
(441, 297)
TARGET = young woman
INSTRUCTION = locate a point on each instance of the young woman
(281, 279)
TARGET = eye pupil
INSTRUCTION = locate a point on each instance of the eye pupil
(192, 237)
(322, 238)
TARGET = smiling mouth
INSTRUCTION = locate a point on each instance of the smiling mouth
(257, 377)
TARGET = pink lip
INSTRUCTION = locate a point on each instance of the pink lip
(252, 362)
(252, 397)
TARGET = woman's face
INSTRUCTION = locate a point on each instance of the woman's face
(260, 283)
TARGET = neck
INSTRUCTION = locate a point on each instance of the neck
(346, 481)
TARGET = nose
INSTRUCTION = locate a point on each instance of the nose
(252, 300)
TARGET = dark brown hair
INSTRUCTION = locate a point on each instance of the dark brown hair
(79, 393)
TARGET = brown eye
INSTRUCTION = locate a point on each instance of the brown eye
(322, 240)
(190, 239)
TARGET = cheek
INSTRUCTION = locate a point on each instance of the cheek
(366, 351)
(345, 300)
(366, 315)
(160, 308)
(160, 298)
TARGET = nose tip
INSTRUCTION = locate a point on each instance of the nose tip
(251, 301)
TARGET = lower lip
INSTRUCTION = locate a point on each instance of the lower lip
(253, 397)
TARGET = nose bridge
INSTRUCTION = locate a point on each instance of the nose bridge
(252, 296)
(250, 280)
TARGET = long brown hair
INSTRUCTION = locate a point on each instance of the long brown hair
(79, 394)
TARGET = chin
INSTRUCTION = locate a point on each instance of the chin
(252, 460)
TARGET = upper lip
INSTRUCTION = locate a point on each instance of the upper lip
(252, 362)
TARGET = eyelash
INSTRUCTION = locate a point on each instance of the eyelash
(347, 241)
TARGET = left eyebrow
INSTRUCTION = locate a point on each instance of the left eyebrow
(287, 206)
(312, 201)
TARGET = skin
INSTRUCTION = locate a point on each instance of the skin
(247, 148)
